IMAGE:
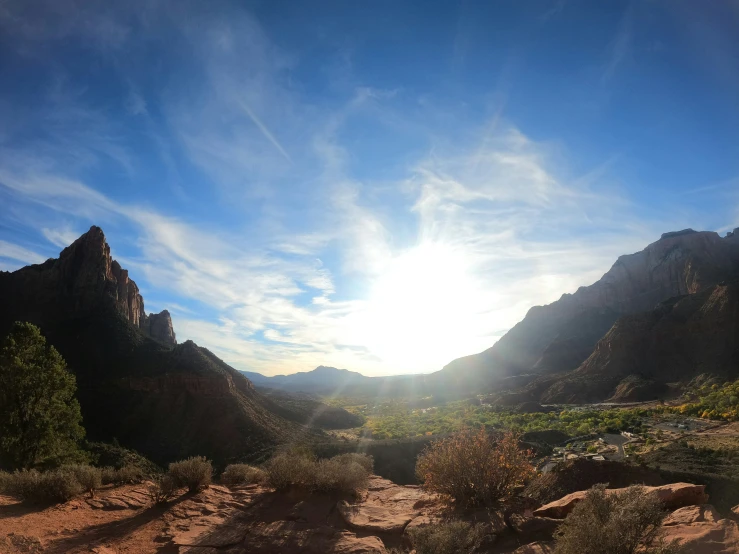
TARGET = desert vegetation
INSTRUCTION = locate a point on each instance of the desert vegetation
(346, 473)
(450, 537)
(242, 474)
(622, 523)
(475, 468)
(194, 473)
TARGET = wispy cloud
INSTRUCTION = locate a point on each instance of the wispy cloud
(19, 254)
(254, 211)
(620, 47)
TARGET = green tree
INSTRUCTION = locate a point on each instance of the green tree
(40, 419)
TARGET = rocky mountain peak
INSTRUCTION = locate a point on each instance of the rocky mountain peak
(85, 275)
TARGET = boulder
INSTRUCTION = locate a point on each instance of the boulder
(673, 496)
(705, 537)
(374, 519)
(692, 514)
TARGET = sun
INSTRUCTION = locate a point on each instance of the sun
(423, 310)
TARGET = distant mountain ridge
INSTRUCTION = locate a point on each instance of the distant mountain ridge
(325, 380)
(135, 383)
(561, 336)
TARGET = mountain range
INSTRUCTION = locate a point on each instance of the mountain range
(664, 315)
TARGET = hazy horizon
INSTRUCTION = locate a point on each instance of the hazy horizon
(382, 187)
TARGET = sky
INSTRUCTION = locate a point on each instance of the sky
(381, 186)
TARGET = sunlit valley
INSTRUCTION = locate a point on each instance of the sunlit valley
(352, 278)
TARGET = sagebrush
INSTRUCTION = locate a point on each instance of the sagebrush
(615, 523)
(451, 537)
(57, 485)
(194, 473)
(346, 473)
(242, 474)
(127, 475)
(475, 468)
(89, 477)
(163, 489)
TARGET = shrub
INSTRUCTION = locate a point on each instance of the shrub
(616, 523)
(90, 478)
(163, 489)
(365, 460)
(339, 475)
(288, 468)
(346, 473)
(4, 480)
(194, 473)
(475, 468)
(452, 537)
(58, 485)
(127, 475)
(242, 474)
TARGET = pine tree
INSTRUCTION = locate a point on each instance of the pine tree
(40, 418)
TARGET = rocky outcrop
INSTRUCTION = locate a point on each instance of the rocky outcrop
(672, 496)
(560, 336)
(166, 400)
(159, 327)
(678, 340)
(83, 278)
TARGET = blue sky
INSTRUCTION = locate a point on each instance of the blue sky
(381, 186)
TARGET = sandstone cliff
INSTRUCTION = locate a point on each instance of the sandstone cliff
(135, 383)
(560, 336)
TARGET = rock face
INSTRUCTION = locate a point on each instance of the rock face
(560, 336)
(159, 327)
(679, 339)
(166, 400)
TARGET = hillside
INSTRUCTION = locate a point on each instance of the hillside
(560, 336)
(681, 338)
(135, 383)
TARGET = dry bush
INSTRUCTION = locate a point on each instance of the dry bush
(346, 473)
(475, 468)
(90, 478)
(452, 537)
(127, 475)
(194, 473)
(4, 480)
(622, 523)
(58, 485)
(163, 489)
(242, 474)
(339, 475)
(365, 460)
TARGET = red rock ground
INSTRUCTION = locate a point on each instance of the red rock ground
(254, 519)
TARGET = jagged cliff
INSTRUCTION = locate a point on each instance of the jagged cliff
(82, 279)
(560, 336)
(135, 383)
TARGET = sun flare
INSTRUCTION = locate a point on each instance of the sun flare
(422, 308)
